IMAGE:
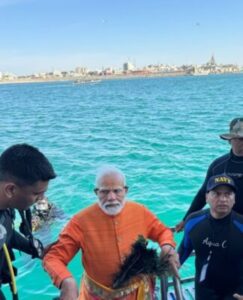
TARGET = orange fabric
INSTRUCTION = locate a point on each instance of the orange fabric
(104, 241)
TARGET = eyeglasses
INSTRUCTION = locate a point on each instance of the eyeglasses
(105, 192)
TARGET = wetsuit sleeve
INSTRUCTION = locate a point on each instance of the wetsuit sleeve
(185, 247)
(59, 255)
(199, 201)
(21, 243)
(157, 231)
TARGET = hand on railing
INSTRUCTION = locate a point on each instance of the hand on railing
(168, 252)
(179, 227)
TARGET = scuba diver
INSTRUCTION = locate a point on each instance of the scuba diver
(43, 212)
(9, 240)
(24, 176)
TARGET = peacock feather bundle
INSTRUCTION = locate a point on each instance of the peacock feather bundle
(141, 260)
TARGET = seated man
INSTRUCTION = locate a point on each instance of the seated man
(216, 235)
(105, 232)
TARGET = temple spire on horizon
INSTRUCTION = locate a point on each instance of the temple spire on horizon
(212, 61)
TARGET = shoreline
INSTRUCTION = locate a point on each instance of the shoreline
(102, 77)
(105, 77)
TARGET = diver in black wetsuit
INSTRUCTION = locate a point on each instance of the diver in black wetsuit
(24, 176)
(14, 240)
(230, 164)
(216, 235)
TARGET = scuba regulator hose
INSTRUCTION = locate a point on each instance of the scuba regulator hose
(10, 267)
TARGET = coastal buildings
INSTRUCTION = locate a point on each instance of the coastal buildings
(128, 70)
(7, 76)
(211, 67)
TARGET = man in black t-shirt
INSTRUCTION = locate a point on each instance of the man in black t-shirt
(230, 164)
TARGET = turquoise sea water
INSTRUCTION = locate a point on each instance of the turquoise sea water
(161, 132)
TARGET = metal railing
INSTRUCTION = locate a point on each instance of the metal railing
(165, 283)
(177, 283)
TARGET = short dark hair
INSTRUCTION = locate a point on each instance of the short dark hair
(25, 165)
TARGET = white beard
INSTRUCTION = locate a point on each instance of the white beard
(112, 208)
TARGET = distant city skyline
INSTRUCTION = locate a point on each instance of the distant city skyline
(40, 36)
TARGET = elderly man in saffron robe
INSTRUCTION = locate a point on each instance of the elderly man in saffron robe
(105, 232)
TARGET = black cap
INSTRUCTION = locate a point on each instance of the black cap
(220, 180)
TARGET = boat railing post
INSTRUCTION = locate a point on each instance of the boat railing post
(163, 287)
(177, 288)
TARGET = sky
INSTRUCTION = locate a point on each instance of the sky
(47, 35)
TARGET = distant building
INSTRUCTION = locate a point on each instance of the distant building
(212, 61)
(65, 73)
(108, 71)
(8, 76)
(57, 73)
(95, 73)
(81, 70)
(230, 68)
(33, 76)
(127, 67)
(117, 72)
